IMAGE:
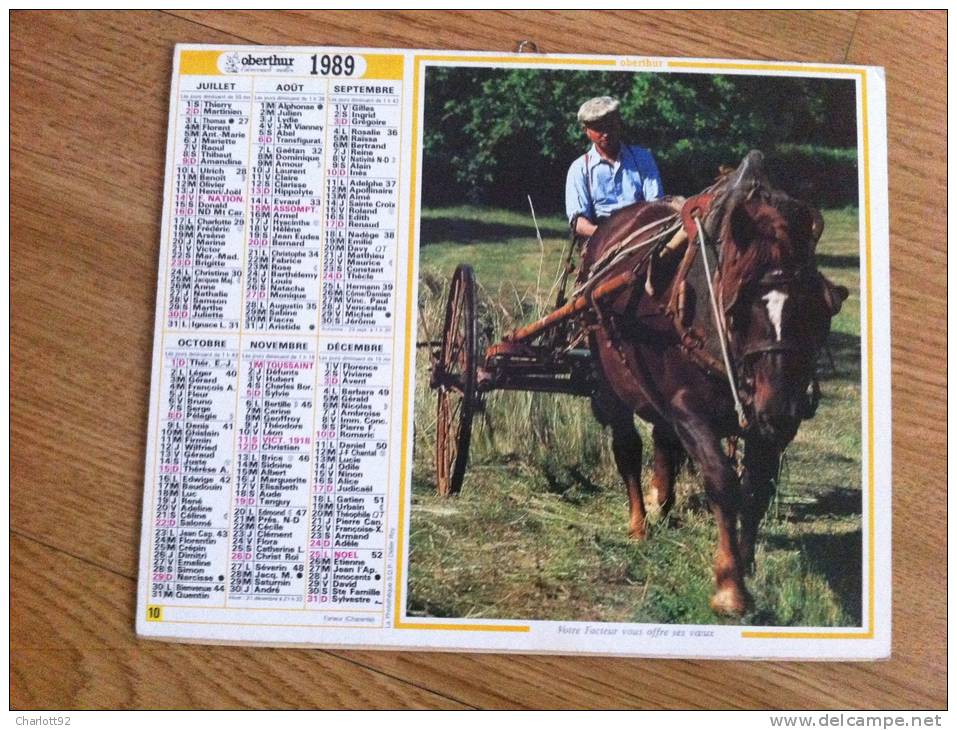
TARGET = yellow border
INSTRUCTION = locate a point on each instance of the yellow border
(869, 631)
(861, 74)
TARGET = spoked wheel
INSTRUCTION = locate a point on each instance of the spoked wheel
(454, 374)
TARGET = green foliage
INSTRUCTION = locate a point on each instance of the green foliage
(826, 176)
(493, 136)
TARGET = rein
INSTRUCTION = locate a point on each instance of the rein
(621, 251)
(719, 324)
(666, 233)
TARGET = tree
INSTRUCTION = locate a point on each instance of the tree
(493, 136)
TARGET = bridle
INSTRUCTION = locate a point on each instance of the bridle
(774, 280)
(720, 325)
(795, 279)
(791, 279)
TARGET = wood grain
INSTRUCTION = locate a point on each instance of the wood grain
(729, 34)
(88, 130)
(80, 652)
(917, 115)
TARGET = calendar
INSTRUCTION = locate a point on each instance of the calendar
(287, 497)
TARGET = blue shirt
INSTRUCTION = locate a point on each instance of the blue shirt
(596, 188)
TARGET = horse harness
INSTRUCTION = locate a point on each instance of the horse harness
(680, 308)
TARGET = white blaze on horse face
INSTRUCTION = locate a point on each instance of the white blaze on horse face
(775, 303)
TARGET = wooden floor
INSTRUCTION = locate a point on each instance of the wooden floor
(88, 124)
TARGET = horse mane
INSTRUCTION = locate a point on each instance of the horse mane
(759, 230)
(753, 238)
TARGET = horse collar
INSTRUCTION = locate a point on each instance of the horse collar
(695, 207)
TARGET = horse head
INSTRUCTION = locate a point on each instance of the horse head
(776, 305)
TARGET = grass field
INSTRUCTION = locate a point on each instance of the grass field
(540, 529)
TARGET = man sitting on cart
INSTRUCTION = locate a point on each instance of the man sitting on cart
(610, 175)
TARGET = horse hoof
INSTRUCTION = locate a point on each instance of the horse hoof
(730, 602)
(638, 535)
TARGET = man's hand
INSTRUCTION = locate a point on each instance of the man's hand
(584, 227)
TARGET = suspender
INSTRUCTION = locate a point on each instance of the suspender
(588, 183)
(591, 197)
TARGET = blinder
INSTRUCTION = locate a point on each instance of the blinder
(771, 346)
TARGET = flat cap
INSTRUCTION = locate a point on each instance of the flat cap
(598, 108)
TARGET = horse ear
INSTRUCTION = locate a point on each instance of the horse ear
(834, 295)
(750, 174)
(808, 225)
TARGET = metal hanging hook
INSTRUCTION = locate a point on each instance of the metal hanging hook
(526, 46)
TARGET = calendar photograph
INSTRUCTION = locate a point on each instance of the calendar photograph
(638, 385)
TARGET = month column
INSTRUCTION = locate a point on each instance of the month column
(355, 360)
(280, 321)
(199, 342)
(209, 205)
(361, 208)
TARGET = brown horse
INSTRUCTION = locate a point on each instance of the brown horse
(657, 352)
